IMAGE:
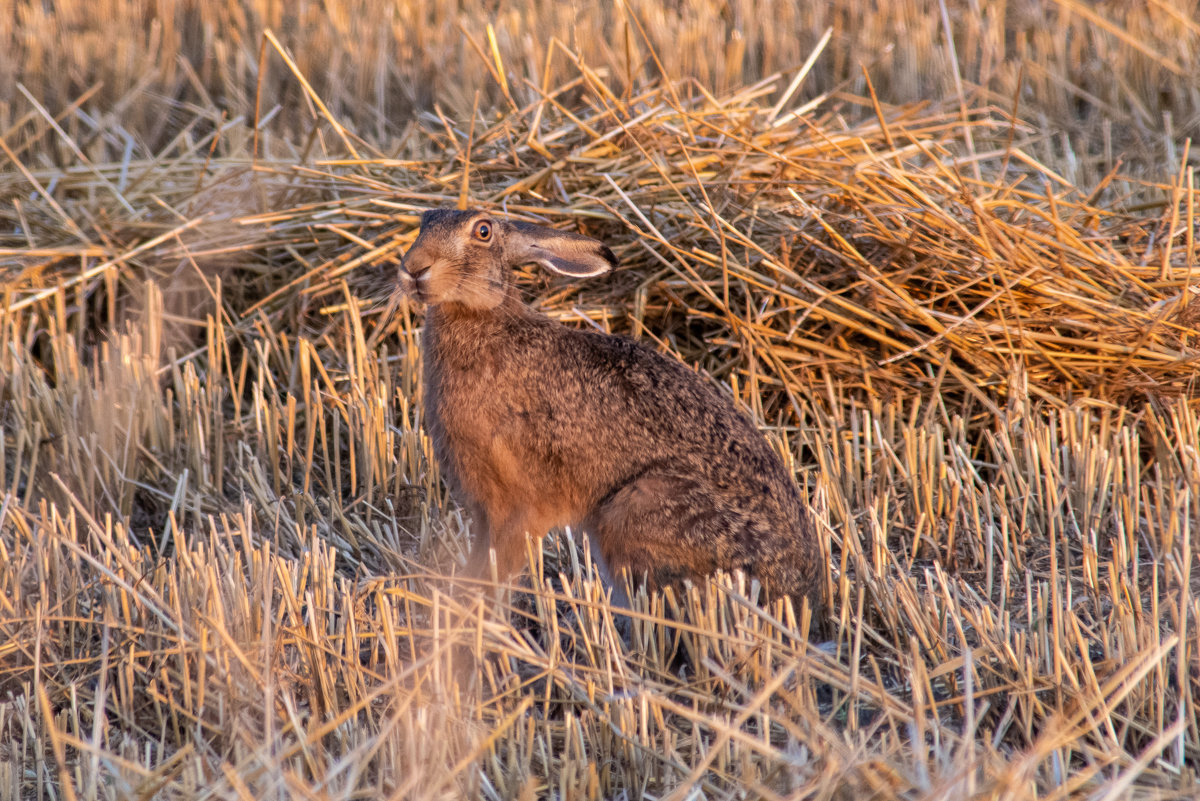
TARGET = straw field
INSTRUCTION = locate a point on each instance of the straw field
(943, 253)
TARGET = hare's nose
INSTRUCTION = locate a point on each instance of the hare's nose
(411, 268)
(416, 263)
(414, 277)
(419, 277)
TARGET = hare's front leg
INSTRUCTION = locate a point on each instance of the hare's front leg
(506, 534)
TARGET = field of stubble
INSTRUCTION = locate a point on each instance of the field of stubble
(944, 254)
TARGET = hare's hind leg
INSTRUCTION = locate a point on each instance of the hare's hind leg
(661, 528)
(615, 582)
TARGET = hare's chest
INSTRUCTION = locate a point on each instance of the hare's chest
(477, 417)
(492, 412)
(484, 447)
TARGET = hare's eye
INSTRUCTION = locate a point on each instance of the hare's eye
(483, 230)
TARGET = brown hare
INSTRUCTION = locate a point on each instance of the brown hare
(537, 425)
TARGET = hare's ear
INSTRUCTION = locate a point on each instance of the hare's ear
(559, 251)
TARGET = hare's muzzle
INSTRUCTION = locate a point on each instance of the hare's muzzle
(414, 278)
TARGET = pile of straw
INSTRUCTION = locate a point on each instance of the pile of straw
(775, 245)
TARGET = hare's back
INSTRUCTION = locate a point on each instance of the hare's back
(649, 397)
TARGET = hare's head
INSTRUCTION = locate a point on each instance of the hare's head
(467, 257)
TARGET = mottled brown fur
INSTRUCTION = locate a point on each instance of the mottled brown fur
(537, 425)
